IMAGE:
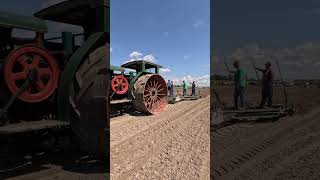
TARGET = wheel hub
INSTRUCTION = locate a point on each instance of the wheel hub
(31, 59)
(119, 84)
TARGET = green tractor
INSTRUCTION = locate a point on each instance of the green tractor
(54, 83)
(139, 84)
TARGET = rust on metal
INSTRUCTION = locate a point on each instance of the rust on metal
(150, 94)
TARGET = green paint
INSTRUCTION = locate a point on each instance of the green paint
(10, 20)
(69, 73)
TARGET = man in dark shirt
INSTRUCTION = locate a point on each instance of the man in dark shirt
(193, 89)
(169, 85)
(267, 81)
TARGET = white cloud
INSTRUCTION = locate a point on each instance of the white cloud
(165, 70)
(149, 58)
(135, 55)
(300, 61)
(111, 49)
(201, 80)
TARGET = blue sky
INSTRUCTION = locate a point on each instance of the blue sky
(173, 33)
(289, 28)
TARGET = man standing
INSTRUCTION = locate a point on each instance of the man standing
(184, 87)
(240, 84)
(171, 90)
(193, 89)
(267, 81)
(169, 87)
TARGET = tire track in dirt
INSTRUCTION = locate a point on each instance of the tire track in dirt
(173, 150)
(173, 129)
(134, 125)
(140, 143)
(272, 136)
(155, 122)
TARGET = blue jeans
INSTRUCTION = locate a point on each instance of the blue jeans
(238, 93)
(193, 92)
(171, 92)
(266, 95)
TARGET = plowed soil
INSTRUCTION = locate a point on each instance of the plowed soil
(285, 149)
(171, 145)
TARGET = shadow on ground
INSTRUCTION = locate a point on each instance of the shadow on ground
(30, 155)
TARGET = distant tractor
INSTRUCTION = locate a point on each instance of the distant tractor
(54, 83)
(139, 83)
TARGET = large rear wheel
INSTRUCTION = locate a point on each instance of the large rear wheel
(89, 101)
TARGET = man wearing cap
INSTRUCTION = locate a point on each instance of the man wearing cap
(240, 84)
(267, 81)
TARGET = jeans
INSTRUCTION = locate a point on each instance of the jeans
(193, 92)
(184, 92)
(266, 95)
(238, 93)
(171, 92)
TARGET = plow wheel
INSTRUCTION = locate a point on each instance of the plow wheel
(119, 84)
(150, 94)
(21, 62)
(89, 93)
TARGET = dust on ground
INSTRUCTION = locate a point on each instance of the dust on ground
(171, 145)
(285, 149)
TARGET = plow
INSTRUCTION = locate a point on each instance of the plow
(138, 84)
(50, 83)
(224, 115)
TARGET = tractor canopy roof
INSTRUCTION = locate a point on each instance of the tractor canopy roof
(10, 20)
(76, 12)
(137, 64)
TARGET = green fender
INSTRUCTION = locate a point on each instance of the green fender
(70, 70)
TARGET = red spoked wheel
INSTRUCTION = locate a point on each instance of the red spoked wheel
(19, 64)
(119, 84)
(150, 94)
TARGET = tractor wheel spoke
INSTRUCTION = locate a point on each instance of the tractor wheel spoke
(36, 60)
(23, 61)
(19, 76)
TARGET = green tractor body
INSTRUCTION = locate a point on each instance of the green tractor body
(139, 83)
(54, 82)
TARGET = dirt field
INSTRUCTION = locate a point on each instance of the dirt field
(285, 149)
(171, 145)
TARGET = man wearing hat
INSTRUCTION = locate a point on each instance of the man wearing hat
(240, 84)
(267, 81)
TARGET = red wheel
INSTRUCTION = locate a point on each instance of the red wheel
(21, 62)
(150, 94)
(119, 84)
